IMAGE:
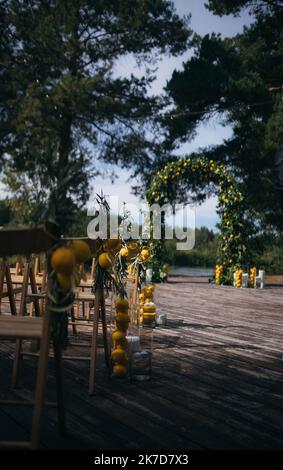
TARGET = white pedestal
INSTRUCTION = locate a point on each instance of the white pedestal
(261, 275)
(148, 275)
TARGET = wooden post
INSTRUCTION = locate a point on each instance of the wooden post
(59, 389)
(99, 307)
(41, 381)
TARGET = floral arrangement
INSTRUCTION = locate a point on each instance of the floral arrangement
(147, 306)
(252, 277)
(218, 274)
(119, 354)
(64, 277)
(114, 259)
(238, 278)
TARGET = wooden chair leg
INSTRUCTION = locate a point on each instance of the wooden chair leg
(18, 349)
(35, 343)
(73, 318)
(10, 291)
(83, 305)
(36, 265)
(59, 389)
(2, 278)
(34, 291)
(104, 330)
(19, 266)
(93, 352)
(40, 387)
(77, 312)
(88, 311)
(42, 289)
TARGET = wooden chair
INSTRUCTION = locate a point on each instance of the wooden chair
(99, 314)
(19, 327)
(6, 279)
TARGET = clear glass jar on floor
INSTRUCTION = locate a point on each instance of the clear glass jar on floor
(141, 365)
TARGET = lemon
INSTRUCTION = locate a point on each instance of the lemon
(132, 246)
(145, 254)
(81, 250)
(148, 292)
(118, 336)
(122, 305)
(125, 361)
(122, 344)
(63, 260)
(149, 308)
(118, 355)
(111, 244)
(65, 282)
(122, 321)
(105, 261)
(122, 316)
(119, 370)
(122, 325)
(149, 315)
(124, 252)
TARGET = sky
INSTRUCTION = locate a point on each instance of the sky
(202, 22)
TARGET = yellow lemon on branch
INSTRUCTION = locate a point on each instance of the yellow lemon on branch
(122, 305)
(124, 252)
(118, 355)
(118, 336)
(119, 370)
(64, 281)
(81, 250)
(145, 254)
(105, 261)
(63, 260)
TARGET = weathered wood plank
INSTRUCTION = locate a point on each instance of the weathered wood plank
(217, 378)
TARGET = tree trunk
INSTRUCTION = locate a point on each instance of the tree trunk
(62, 209)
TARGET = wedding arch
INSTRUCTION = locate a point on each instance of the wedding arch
(235, 226)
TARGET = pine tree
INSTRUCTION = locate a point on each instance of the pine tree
(63, 107)
(238, 81)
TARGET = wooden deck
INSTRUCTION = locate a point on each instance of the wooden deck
(217, 379)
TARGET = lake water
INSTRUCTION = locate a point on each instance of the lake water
(187, 271)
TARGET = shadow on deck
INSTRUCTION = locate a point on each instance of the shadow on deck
(217, 380)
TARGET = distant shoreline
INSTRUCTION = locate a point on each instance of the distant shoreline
(190, 271)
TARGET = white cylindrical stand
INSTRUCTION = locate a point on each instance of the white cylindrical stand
(245, 280)
(261, 275)
(148, 275)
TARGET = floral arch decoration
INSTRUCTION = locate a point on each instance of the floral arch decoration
(235, 224)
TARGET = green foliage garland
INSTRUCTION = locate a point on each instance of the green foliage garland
(236, 228)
